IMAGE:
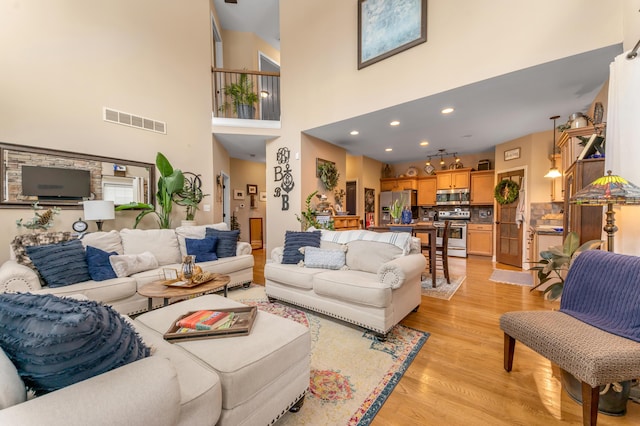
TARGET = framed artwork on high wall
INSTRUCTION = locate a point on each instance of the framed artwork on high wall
(389, 27)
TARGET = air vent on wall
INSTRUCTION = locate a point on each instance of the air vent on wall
(131, 120)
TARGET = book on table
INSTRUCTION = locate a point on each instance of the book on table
(212, 323)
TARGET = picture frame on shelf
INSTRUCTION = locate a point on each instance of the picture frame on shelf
(252, 189)
(512, 154)
(238, 194)
(385, 29)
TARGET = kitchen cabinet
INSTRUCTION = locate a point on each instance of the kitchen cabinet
(586, 221)
(427, 191)
(345, 222)
(453, 179)
(480, 239)
(398, 184)
(482, 184)
(569, 144)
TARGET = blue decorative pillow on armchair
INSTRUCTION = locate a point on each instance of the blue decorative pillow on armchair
(56, 341)
(227, 241)
(60, 264)
(203, 249)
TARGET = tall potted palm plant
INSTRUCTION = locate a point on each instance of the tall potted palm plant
(170, 183)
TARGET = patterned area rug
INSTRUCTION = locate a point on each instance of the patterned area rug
(352, 373)
(512, 277)
(442, 290)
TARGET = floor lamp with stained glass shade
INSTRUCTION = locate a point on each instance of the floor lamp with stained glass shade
(608, 191)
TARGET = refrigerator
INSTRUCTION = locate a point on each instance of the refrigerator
(388, 197)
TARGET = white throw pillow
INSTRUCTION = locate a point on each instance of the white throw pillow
(12, 388)
(127, 264)
(107, 241)
(197, 232)
(163, 243)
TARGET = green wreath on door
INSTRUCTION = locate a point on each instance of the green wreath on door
(506, 191)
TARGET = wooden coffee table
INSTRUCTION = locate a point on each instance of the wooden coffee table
(159, 289)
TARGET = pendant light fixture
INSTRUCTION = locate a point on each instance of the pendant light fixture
(553, 171)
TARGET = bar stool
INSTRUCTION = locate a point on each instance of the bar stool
(441, 251)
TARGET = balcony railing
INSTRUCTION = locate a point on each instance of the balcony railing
(250, 95)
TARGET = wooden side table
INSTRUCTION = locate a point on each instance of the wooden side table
(159, 289)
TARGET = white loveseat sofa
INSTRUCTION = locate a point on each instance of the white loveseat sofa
(168, 247)
(193, 383)
(378, 288)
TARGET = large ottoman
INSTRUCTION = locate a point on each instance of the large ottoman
(263, 374)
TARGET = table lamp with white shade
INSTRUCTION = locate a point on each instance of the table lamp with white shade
(99, 210)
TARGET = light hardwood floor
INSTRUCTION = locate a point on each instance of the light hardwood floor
(458, 378)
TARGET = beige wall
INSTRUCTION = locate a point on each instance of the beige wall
(244, 173)
(321, 83)
(63, 61)
(312, 149)
(241, 50)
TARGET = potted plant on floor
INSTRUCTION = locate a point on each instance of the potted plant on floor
(170, 183)
(243, 96)
(190, 196)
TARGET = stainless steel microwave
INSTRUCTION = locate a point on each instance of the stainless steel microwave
(452, 197)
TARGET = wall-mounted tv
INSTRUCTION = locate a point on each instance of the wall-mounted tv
(55, 183)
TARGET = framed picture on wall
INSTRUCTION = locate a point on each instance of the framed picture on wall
(386, 28)
(238, 194)
(252, 189)
(512, 154)
(369, 200)
(263, 196)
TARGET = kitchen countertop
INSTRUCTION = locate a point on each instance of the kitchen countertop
(549, 229)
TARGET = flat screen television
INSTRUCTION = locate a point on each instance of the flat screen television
(51, 183)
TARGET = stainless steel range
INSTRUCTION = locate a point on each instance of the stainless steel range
(457, 230)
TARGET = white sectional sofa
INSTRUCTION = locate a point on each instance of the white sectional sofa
(246, 380)
(167, 246)
(379, 286)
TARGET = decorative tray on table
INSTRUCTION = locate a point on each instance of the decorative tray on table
(212, 323)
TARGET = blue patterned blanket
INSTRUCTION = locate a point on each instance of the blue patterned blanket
(603, 289)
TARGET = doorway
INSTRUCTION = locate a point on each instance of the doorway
(255, 233)
(509, 236)
(269, 88)
(351, 197)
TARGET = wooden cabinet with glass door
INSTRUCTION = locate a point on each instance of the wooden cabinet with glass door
(427, 191)
(480, 239)
(482, 187)
(453, 179)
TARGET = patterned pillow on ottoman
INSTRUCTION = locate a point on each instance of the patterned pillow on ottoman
(55, 342)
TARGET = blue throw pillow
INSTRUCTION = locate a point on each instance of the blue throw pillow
(60, 264)
(99, 266)
(55, 341)
(203, 249)
(227, 241)
(293, 241)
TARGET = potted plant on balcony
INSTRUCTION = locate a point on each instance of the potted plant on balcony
(243, 96)
(170, 183)
(190, 196)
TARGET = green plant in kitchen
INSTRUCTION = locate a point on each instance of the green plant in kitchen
(557, 260)
(329, 175)
(395, 209)
(170, 183)
(191, 194)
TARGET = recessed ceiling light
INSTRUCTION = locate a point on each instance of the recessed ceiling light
(447, 110)
(354, 132)
(388, 149)
(394, 123)
(424, 143)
